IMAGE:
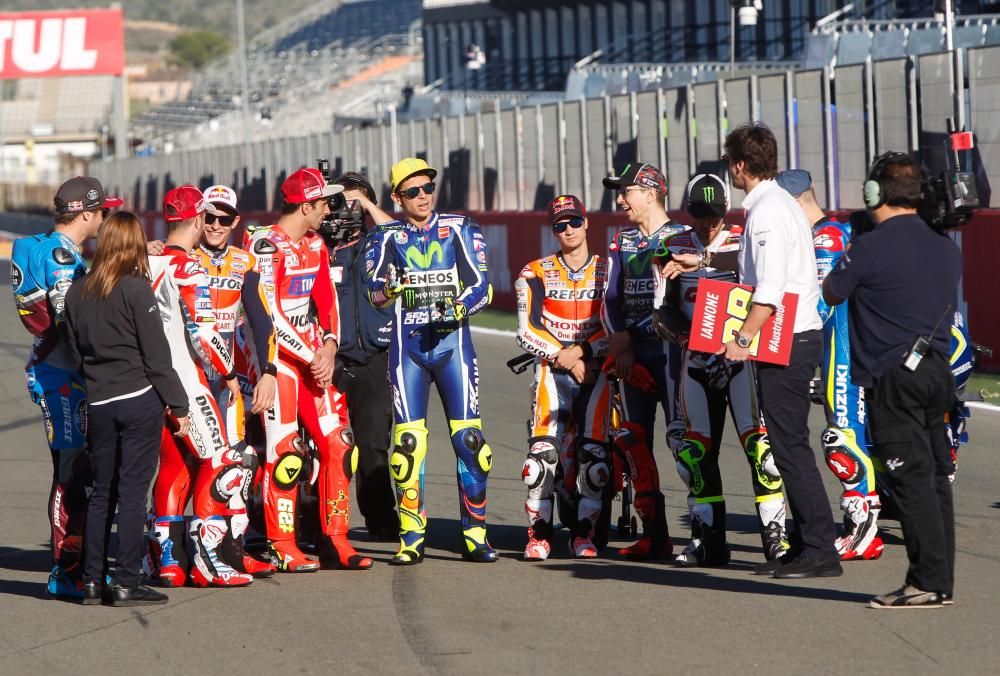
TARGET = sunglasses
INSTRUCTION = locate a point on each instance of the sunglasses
(560, 227)
(227, 221)
(623, 191)
(411, 193)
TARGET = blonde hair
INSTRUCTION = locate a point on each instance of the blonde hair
(121, 251)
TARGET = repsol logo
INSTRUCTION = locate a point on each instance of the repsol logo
(571, 294)
(225, 283)
(431, 278)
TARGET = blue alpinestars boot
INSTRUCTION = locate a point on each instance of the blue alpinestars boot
(62, 585)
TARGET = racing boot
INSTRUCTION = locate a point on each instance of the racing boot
(207, 566)
(539, 541)
(335, 552)
(775, 541)
(708, 548)
(234, 552)
(65, 584)
(477, 547)
(582, 544)
(168, 556)
(655, 541)
(411, 549)
(288, 558)
(860, 539)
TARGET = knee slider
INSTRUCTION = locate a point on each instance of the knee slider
(840, 457)
(408, 453)
(472, 440)
(689, 458)
(594, 470)
(291, 459)
(540, 465)
(758, 449)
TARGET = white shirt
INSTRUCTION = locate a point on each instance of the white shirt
(777, 255)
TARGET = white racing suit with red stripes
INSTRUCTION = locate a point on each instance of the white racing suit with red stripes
(303, 302)
(182, 293)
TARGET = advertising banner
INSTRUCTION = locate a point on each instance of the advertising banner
(62, 43)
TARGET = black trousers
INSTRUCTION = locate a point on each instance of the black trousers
(369, 405)
(124, 441)
(907, 409)
(784, 394)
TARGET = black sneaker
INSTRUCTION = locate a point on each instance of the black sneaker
(803, 566)
(907, 597)
(947, 599)
(139, 595)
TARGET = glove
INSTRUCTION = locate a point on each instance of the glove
(640, 378)
(448, 311)
(395, 280)
(718, 371)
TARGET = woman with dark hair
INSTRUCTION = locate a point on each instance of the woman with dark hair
(116, 333)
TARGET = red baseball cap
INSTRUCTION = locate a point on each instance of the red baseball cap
(308, 185)
(565, 206)
(186, 202)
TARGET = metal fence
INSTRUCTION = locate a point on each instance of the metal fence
(832, 122)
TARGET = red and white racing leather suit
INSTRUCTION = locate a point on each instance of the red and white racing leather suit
(182, 294)
(296, 279)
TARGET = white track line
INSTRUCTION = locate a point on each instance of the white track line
(983, 406)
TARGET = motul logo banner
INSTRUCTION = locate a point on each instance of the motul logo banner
(61, 43)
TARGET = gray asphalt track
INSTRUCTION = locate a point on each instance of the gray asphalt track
(449, 617)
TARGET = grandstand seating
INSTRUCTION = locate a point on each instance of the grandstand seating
(353, 21)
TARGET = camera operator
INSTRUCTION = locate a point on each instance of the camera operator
(362, 360)
(900, 320)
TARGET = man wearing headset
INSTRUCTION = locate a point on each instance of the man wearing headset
(900, 338)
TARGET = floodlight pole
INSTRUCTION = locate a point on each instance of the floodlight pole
(732, 39)
(241, 57)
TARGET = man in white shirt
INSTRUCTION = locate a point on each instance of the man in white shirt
(778, 258)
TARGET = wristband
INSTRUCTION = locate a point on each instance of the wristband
(588, 350)
(270, 369)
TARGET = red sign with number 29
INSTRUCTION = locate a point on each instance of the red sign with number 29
(719, 312)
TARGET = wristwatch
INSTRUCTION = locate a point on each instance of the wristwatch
(743, 341)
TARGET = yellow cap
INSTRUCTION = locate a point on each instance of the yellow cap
(408, 167)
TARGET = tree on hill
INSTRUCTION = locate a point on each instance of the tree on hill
(196, 48)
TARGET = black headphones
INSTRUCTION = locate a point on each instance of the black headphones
(872, 192)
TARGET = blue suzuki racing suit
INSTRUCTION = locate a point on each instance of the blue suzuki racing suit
(845, 443)
(41, 271)
(438, 273)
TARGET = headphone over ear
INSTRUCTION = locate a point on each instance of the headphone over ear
(874, 195)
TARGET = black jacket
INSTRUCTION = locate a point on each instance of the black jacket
(364, 329)
(120, 344)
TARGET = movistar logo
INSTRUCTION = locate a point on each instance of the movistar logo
(638, 263)
(415, 258)
(708, 193)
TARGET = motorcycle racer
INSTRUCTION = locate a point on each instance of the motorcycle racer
(709, 385)
(432, 266)
(295, 271)
(41, 271)
(845, 441)
(183, 296)
(626, 315)
(243, 319)
(558, 307)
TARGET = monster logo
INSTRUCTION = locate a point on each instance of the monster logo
(708, 193)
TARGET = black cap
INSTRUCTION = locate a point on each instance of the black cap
(352, 180)
(83, 193)
(643, 175)
(707, 195)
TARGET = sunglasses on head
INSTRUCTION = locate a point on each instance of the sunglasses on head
(560, 227)
(411, 193)
(227, 221)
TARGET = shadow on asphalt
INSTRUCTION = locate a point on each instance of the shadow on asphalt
(29, 560)
(35, 590)
(698, 579)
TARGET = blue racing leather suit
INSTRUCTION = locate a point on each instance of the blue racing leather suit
(41, 271)
(845, 443)
(628, 306)
(434, 276)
